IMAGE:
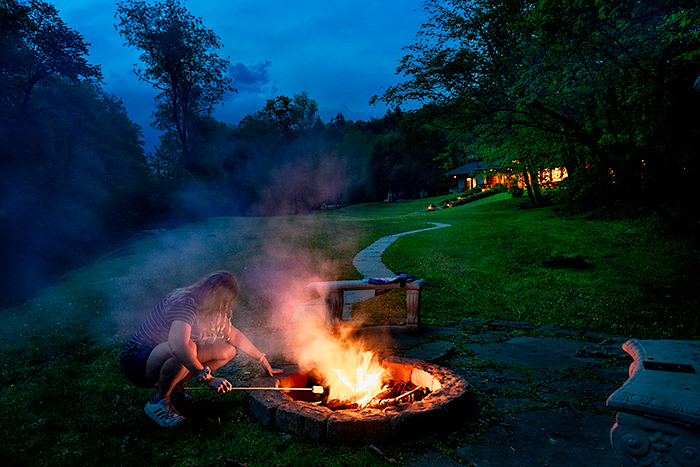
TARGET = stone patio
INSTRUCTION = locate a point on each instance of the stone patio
(543, 389)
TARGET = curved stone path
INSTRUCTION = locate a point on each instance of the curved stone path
(368, 262)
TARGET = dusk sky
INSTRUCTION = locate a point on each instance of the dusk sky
(341, 52)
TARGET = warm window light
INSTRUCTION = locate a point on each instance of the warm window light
(558, 174)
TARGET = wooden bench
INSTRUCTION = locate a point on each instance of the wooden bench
(333, 292)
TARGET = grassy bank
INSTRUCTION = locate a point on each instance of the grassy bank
(638, 281)
(64, 402)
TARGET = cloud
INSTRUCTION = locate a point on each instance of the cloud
(253, 79)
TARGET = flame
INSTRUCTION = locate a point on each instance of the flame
(366, 384)
(352, 373)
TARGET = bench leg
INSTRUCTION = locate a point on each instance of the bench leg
(413, 307)
(335, 301)
(640, 440)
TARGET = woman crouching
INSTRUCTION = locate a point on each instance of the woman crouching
(187, 335)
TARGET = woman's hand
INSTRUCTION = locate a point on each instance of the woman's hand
(266, 365)
(221, 385)
(240, 341)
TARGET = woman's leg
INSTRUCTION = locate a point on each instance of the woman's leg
(165, 369)
(215, 353)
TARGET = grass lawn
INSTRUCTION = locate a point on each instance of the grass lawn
(641, 282)
(64, 402)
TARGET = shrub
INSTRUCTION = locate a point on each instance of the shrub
(472, 195)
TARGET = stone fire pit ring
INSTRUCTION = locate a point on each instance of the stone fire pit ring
(449, 402)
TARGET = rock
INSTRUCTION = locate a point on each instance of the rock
(303, 419)
(432, 459)
(352, 427)
(264, 405)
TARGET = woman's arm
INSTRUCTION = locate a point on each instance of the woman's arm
(241, 342)
(183, 348)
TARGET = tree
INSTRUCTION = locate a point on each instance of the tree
(407, 155)
(290, 115)
(610, 82)
(179, 61)
(36, 44)
(76, 182)
(338, 121)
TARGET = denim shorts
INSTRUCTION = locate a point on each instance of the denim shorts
(134, 367)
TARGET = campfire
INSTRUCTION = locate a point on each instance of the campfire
(414, 398)
(369, 385)
(367, 396)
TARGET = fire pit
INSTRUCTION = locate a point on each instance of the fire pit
(415, 398)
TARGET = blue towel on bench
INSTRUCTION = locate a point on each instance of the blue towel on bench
(400, 277)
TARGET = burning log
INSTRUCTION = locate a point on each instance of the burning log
(394, 393)
(413, 395)
(336, 404)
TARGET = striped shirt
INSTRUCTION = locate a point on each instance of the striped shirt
(156, 327)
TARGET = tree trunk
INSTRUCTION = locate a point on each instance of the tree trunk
(175, 101)
(534, 181)
(31, 82)
(528, 187)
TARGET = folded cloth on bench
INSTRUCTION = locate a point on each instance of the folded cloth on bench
(400, 277)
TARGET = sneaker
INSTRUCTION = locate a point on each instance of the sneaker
(163, 413)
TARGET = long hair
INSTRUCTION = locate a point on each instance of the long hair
(214, 296)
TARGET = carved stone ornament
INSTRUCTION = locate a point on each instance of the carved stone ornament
(658, 423)
(643, 441)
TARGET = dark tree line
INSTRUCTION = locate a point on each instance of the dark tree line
(71, 164)
(74, 177)
(303, 163)
(607, 89)
(281, 159)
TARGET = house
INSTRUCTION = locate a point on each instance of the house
(480, 174)
(550, 177)
(476, 174)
